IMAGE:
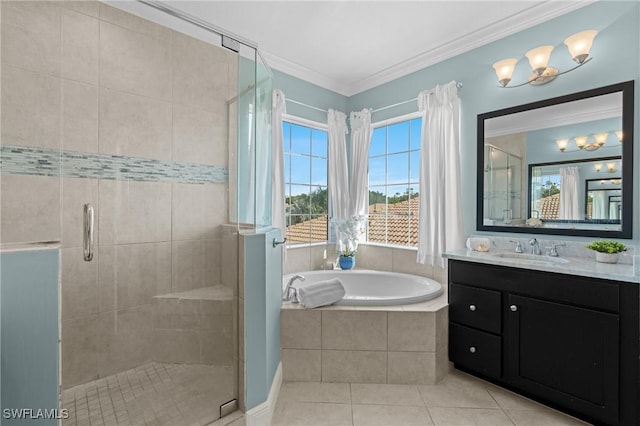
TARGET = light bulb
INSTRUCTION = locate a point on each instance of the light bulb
(539, 58)
(619, 135)
(601, 138)
(611, 167)
(598, 167)
(562, 144)
(581, 141)
(579, 45)
(504, 70)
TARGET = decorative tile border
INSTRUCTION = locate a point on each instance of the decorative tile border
(21, 160)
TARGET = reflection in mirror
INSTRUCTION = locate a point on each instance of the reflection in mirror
(545, 160)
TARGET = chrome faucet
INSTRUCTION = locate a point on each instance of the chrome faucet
(290, 293)
(553, 250)
(518, 248)
(535, 247)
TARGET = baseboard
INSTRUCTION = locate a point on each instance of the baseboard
(261, 414)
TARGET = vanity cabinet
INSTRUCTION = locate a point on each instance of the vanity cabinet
(570, 342)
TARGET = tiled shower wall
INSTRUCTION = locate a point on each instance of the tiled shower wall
(139, 114)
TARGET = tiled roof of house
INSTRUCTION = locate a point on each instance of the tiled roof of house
(550, 207)
(401, 220)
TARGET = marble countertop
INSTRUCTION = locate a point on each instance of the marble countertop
(586, 267)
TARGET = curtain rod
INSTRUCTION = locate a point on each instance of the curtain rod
(458, 85)
(305, 105)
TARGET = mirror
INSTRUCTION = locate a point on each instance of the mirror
(560, 166)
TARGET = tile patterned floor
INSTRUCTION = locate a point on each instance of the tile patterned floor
(152, 394)
(459, 399)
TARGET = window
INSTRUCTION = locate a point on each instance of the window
(394, 170)
(305, 162)
(545, 193)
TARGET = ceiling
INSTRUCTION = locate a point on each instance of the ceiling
(352, 46)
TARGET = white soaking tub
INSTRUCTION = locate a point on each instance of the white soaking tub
(374, 288)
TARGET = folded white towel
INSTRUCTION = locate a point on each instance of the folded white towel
(321, 293)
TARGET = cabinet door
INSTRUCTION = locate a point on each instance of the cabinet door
(565, 354)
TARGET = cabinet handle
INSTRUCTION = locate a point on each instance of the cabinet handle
(513, 308)
(472, 308)
(472, 349)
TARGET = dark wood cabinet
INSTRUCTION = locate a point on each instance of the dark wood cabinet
(560, 339)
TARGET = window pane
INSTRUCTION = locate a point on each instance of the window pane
(318, 228)
(300, 169)
(416, 129)
(377, 171)
(319, 143)
(377, 199)
(377, 228)
(398, 230)
(286, 135)
(300, 139)
(398, 137)
(318, 171)
(287, 167)
(398, 168)
(378, 142)
(414, 166)
(318, 200)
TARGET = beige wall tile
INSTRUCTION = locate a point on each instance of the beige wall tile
(416, 368)
(412, 331)
(135, 63)
(229, 262)
(298, 260)
(79, 284)
(87, 7)
(442, 327)
(134, 212)
(31, 108)
(354, 330)
(399, 395)
(300, 329)
(198, 211)
(131, 274)
(79, 117)
(75, 193)
(125, 339)
(374, 257)
(31, 35)
(176, 346)
(189, 266)
(134, 125)
(133, 23)
(199, 136)
(383, 415)
(79, 350)
(200, 74)
(301, 365)
(354, 366)
(216, 348)
(317, 255)
(404, 261)
(30, 209)
(443, 366)
(440, 275)
(80, 46)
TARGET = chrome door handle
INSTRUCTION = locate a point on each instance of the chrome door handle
(87, 233)
(276, 243)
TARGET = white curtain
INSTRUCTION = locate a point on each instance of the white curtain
(338, 175)
(359, 189)
(569, 183)
(278, 109)
(598, 206)
(440, 217)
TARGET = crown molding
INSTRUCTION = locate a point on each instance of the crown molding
(528, 18)
(304, 73)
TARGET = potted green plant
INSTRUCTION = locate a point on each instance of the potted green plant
(347, 258)
(607, 251)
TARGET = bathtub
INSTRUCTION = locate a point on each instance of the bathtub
(364, 287)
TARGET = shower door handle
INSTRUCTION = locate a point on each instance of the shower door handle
(87, 233)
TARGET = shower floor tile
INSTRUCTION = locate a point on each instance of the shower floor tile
(152, 394)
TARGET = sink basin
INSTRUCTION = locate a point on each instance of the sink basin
(531, 258)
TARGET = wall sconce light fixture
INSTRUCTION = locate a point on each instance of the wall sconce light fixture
(616, 181)
(611, 168)
(578, 44)
(598, 167)
(619, 135)
(582, 141)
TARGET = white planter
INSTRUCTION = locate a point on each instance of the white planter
(607, 257)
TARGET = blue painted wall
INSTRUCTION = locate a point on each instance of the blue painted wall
(616, 53)
(262, 289)
(29, 333)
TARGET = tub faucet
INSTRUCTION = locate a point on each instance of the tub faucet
(290, 293)
(535, 247)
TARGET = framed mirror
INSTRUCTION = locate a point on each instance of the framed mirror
(560, 166)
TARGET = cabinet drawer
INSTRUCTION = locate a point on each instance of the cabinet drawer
(475, 307)
(475, 350)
